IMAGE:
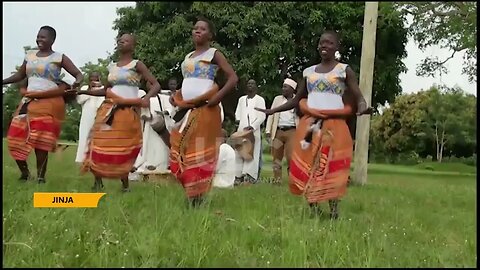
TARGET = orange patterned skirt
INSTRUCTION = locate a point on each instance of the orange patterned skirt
(320, 172)
(113, 147)
(194, 151)
(38, 129)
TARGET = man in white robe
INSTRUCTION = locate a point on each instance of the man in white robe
(153, 157)
(90, 105)
(249, 118)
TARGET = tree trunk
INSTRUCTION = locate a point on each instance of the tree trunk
(437, 141)
(441, 153)
(442, 146)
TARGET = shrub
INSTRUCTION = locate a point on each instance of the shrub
(409, 158)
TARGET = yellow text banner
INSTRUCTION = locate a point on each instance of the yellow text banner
(66, 200)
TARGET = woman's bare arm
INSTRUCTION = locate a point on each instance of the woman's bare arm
(68, 65)
(17, 76)
(148, 76)
(232, 78)
(90, 92)
(352, 86)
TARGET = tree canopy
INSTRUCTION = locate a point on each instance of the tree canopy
(450, 25)
(266, 41)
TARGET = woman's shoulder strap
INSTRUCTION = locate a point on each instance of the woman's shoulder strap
(189, 54)
(342, 68)
(209, 54)
(308, 70)
(30, 54)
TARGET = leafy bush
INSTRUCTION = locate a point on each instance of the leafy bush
(409, 158)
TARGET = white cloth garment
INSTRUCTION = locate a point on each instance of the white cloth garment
(90, 105)
(248, 116)
(154, 152)
(291, 83)
(287, 118)
(325, 101)
(195, 85)
(225, 170)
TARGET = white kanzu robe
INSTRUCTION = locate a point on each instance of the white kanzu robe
(225, 170)
(154, 152)
(90, 105)
(248, 116)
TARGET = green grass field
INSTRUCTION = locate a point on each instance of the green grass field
(403, 217)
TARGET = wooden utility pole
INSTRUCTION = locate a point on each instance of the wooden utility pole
(366, 83)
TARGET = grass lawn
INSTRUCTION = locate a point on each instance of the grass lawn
(403, 217)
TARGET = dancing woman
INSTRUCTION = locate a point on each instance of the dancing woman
(116, 136)
(37, 122)
(196, 138)
(322, 147)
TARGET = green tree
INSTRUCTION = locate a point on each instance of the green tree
(399, 127)
(427, 123)
(448, 118)
(450, 25)
(265, 41)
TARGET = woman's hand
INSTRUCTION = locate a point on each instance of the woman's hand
(363, 108)
(145, 103)
(214, 101)
(23, 92)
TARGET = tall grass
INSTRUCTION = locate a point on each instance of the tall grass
(404, 217)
